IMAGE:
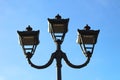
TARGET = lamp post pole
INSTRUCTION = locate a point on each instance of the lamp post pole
(58, 59)
(58, 27)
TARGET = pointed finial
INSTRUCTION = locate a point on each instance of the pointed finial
(29, 28)
(57, 16)
(87, 27)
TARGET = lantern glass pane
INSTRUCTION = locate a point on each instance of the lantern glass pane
(29, 40)
(86, 39)
(57, 28)
(49, 28)
(89, 39)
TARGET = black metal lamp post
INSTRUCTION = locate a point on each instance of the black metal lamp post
(58, 27)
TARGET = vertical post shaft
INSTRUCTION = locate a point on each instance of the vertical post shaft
(59, 65)
(58, 59)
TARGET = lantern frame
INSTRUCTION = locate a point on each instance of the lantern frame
(87, 39)
(29, 40)
(58, 27)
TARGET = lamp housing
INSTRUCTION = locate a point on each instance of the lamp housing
(87, 36)
(87, 39)
(58, 27)
(29, 40)
(28, 37)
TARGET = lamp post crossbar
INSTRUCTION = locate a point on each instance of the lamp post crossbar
(58, 55)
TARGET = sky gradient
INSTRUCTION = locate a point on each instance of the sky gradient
(99, 14)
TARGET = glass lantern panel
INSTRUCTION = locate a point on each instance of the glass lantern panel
(29, 40)
(57, 28)
(89, 39)
(86, 39)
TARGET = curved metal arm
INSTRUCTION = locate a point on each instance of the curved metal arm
(43, 66)
(75, 66)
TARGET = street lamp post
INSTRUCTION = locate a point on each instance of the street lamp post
(58, 27)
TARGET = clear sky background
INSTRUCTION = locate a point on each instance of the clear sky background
(99, 14)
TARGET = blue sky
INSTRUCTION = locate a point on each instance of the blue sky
(99, 14)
